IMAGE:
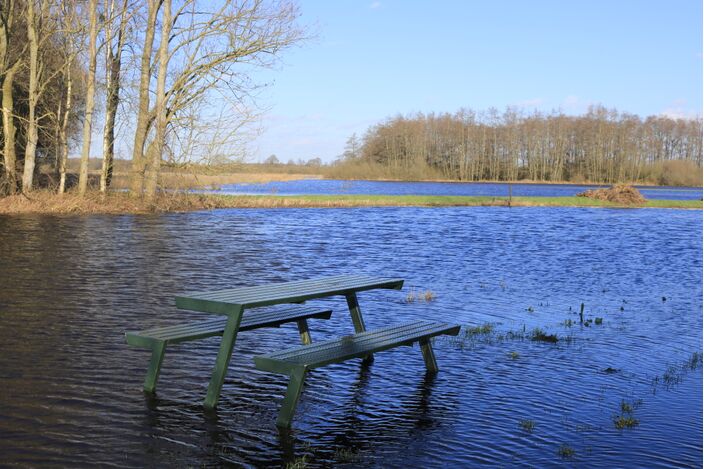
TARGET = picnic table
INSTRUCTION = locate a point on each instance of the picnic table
(241, 310)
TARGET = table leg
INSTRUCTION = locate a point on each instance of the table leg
(428, 356)
(293, 392)
(304, 331)
(357, 319)
(223, 360)
(158, 350)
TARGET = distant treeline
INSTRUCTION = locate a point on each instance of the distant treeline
(603, 146)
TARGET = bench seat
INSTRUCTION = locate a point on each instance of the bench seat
(159, 337)
(295, 362)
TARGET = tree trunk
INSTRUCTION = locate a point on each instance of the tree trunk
(113, 62)
(30, 151)
(142, 128)
(154, 163)
(9, 130)
(63, 139)
(90, 98)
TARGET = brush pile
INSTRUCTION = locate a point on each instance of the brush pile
(621, 194)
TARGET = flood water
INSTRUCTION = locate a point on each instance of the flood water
(70, 387)
(333, 186)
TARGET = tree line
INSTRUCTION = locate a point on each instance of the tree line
(173, 76)
(602, 146)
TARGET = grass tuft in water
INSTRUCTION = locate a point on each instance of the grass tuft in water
(514, 355)
(598, 321)
(625, 421)
(298, 463)
(346, 455)
(486, 328)
(540, 335)
(565, 451)
(426, 296)
(527, 425)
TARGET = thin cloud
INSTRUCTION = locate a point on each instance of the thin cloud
(375, 5)
(535, 102)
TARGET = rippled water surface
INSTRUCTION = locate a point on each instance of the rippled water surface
(70, 388)
(332, 186)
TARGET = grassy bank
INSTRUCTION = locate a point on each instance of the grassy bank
(438, 201)
(116, 203)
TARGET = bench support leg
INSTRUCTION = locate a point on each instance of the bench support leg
(158, 350)
(293, 392)
(221, 363)
(304, 331)
(357, 320)
(428, 356)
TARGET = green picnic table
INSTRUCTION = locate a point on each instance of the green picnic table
(241, 308)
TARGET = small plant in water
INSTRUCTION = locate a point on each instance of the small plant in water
(527, 425)
(530, 309)
(568, 323)
(598, 321)
(298, 463)
(411, 296)
(427, 296)
(514, 356)
(346, 455)
(625, 421)
(540, 335)
(565, 451)
(610, 370)
(483, 329)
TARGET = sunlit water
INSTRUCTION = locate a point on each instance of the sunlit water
(70, 387)
(332, 186)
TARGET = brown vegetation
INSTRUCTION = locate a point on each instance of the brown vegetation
(621, 194)
(46, 202)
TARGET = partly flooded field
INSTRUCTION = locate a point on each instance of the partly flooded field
(333, 186)
(623, 389)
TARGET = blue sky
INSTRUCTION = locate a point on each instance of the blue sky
(375, 59)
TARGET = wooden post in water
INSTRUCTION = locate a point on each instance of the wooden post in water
(581, 314)
(510, 193)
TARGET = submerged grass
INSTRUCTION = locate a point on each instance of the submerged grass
(527, 425)
(540, 335)
(566, 451)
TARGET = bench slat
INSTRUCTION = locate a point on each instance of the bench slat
(212, 327)
(358, 345)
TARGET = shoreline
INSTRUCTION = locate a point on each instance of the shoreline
(47, 203)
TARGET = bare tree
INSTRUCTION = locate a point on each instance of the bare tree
(143, 124)
(10, 63)
(90, 96)
(157, 147)
(113, 65)
(71, 23)
(213, 48)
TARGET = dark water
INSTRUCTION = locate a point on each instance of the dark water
(332, 186)
(70, 388)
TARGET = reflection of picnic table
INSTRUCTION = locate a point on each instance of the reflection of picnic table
(233, 303)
